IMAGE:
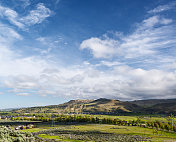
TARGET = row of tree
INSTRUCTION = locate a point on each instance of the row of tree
(90, 119)
(162, 126)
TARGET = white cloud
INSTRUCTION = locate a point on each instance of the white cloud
(42, 40)
(37, 16)
(150, 36)
(100, 48)
(11, 62)
(110, 64)
(57, 1)
(16, 68)
(155, 20)
(25, 3)
(150, 22)
(10, 37)
(120, 82)
(146, 47)
(166, 21)
(11, 15)
(163, 8)
(113, 78)
(23, 94)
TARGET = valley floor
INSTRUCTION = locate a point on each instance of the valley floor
(91, 132)
(51, 131)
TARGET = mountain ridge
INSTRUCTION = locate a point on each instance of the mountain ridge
(106, 106)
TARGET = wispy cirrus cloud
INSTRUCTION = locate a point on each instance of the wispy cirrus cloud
(25, 3)
(162, 8)
(147, 41)
(57, 1)
(154, 21)
(36, 16)
(10, 37)
(23, 94)
(11, 15)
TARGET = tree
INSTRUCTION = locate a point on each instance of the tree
(167, 127)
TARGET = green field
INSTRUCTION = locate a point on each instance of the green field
(79, 131)
(102, 128)
(127, 118)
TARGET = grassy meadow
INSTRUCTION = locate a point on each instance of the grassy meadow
(96, 132)
(47, 132)
(149, 134)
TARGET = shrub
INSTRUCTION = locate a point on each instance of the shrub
(8, 135)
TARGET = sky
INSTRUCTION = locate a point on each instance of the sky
(53, 51)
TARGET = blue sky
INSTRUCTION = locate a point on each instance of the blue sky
(57, 50)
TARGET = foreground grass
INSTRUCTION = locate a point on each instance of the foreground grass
(59, 138)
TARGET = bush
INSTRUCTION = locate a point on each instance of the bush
(167, 127)
(8, 135)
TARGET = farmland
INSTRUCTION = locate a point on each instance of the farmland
(97, 129)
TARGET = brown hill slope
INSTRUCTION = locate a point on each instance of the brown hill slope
(103, 106)
(106, 106)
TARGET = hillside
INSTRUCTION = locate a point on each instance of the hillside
(106, 106)
(153, 102)
(101, 106)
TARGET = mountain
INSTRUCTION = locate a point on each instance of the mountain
(106, 106)
(159, 106)
(152, 102)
